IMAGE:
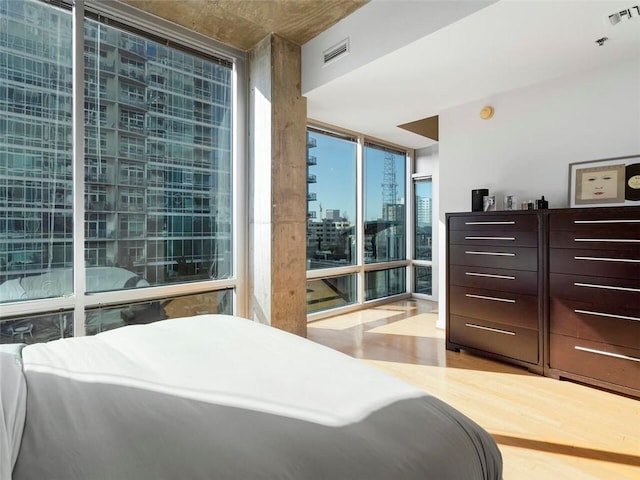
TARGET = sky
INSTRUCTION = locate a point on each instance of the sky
(336, 178)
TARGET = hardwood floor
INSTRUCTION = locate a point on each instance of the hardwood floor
(545, 428)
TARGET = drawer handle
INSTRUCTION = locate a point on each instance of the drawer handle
(610, 315)
(604, 259)
(496, 330)
(490, 275)
(606, 287)
(490, 223)
(604, 221)
(607, 240)
(495, 254)
(608, 354)
(495, 299)
(489, 238)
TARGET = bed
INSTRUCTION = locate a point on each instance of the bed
(221, 397)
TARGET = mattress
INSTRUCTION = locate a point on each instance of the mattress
(218, 396)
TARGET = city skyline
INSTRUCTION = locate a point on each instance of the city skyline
(335, 186)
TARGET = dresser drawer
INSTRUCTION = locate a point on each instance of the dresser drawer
(514, 342)
(494, 237)
(627, 240)
(488, 222)
(602, 221)
(516, 281)
(510, 309)
(616, 325)
(604, 263)
(600, 361)
(595, 290)
(511, 258)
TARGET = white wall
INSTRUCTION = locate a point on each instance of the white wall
(535, 133)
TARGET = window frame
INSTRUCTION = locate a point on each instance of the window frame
(183, 39)
(360, 269)
(418, 263)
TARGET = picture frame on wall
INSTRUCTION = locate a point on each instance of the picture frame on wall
(606, 182)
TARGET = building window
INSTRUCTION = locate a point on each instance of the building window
(385, 283)
(384, 192)
(348, 260)
(423, 236)
(333, 292)
(331, 200)
(35, 165)
(423, 280)
(158, 163)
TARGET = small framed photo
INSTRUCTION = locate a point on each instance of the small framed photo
(606, 182)
(489, 203)
(510, 202)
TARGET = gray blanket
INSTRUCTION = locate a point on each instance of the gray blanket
(91, 422)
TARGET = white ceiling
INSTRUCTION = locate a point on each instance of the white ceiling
(504, 46)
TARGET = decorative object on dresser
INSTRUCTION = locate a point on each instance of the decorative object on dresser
(510, 202)
(494, 286)
(594, 297)
(477, 198)
(489, 203)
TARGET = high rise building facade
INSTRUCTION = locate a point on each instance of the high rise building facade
(157, 151)
(423, 211)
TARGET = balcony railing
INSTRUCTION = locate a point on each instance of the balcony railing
(311, 160)
(311, 142)
(131, 127)
(134, 100)
(311, 179)
(133, 73)
(96, 177)
(98, 206)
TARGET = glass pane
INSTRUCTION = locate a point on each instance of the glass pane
(37, 328)
(108, 318)
(326, 293)
(384, 283)
(384, 190)
(423, 201)
(422, 280)
(35, 147)
(158, 151)
(331, 201)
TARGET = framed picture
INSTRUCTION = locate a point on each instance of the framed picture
(489, 203)
(607, 182)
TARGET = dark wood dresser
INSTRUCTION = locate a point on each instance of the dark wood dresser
(594, 297)
(494, 285)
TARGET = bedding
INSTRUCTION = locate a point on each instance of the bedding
(221, 397)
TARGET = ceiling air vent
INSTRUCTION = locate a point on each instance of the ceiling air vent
(337, 51)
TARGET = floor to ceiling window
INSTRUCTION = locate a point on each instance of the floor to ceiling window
(158, 181)
(356, 230)
(331, 218)
(384, 219)
(423, 236)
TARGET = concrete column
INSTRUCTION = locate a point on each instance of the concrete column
(277, 186)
